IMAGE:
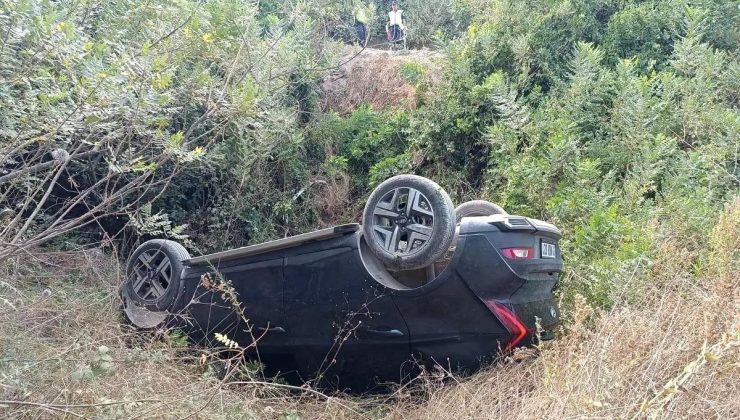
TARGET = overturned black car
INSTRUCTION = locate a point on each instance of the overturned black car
(418, 283)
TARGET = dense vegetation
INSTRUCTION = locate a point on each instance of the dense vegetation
(617, 120)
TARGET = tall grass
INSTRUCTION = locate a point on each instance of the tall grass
(668, 348)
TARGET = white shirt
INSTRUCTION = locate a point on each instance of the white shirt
(394, 18)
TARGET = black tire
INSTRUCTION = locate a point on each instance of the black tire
(477, 208)
(153, 274)
(404, 236)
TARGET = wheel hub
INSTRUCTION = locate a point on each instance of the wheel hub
(151, 276)
(403, 221)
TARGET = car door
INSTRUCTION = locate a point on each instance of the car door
(343, 329)
(257, 286)
(378, 350)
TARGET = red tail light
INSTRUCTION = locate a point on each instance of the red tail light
(511, 322)
(518, 253)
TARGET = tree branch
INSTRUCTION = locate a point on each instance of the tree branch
(44, 165)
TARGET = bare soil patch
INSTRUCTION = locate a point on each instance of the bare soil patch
(373, 76)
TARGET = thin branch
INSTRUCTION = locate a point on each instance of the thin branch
(44, 165)
(172, 32)
(62, 406)
(41, 203)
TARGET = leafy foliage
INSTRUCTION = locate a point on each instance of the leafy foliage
(145, 223)
(617, 120)
(104, 104)
(435, 20)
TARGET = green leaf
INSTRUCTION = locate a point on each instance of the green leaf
(92, 119)
(176, 140)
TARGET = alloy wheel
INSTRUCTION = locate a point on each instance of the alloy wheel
(403, 221)
(152, 275)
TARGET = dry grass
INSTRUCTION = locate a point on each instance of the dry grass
(673, 353)
(330, 197)
(670, 353)
(634, 362)
(53, 322)
(374, 78)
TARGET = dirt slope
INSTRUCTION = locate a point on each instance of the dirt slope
(373, 76)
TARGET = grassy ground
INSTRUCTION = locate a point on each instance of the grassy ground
(669, 348)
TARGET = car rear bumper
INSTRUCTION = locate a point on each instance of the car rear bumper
(537, 315)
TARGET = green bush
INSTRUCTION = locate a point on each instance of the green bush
(367, 143)
(434, 21)
(645, 31)
(615, 120)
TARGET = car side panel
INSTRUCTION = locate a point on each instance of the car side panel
(450, 326)
(525, 285)
(208, 308)
(258, 281)
(202, 312)
(343, 330)
(379, 350)
(448, 320)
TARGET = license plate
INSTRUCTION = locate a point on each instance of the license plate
(547, 250)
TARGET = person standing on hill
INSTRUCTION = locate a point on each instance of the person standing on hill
(360, 16)
(394, 28)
